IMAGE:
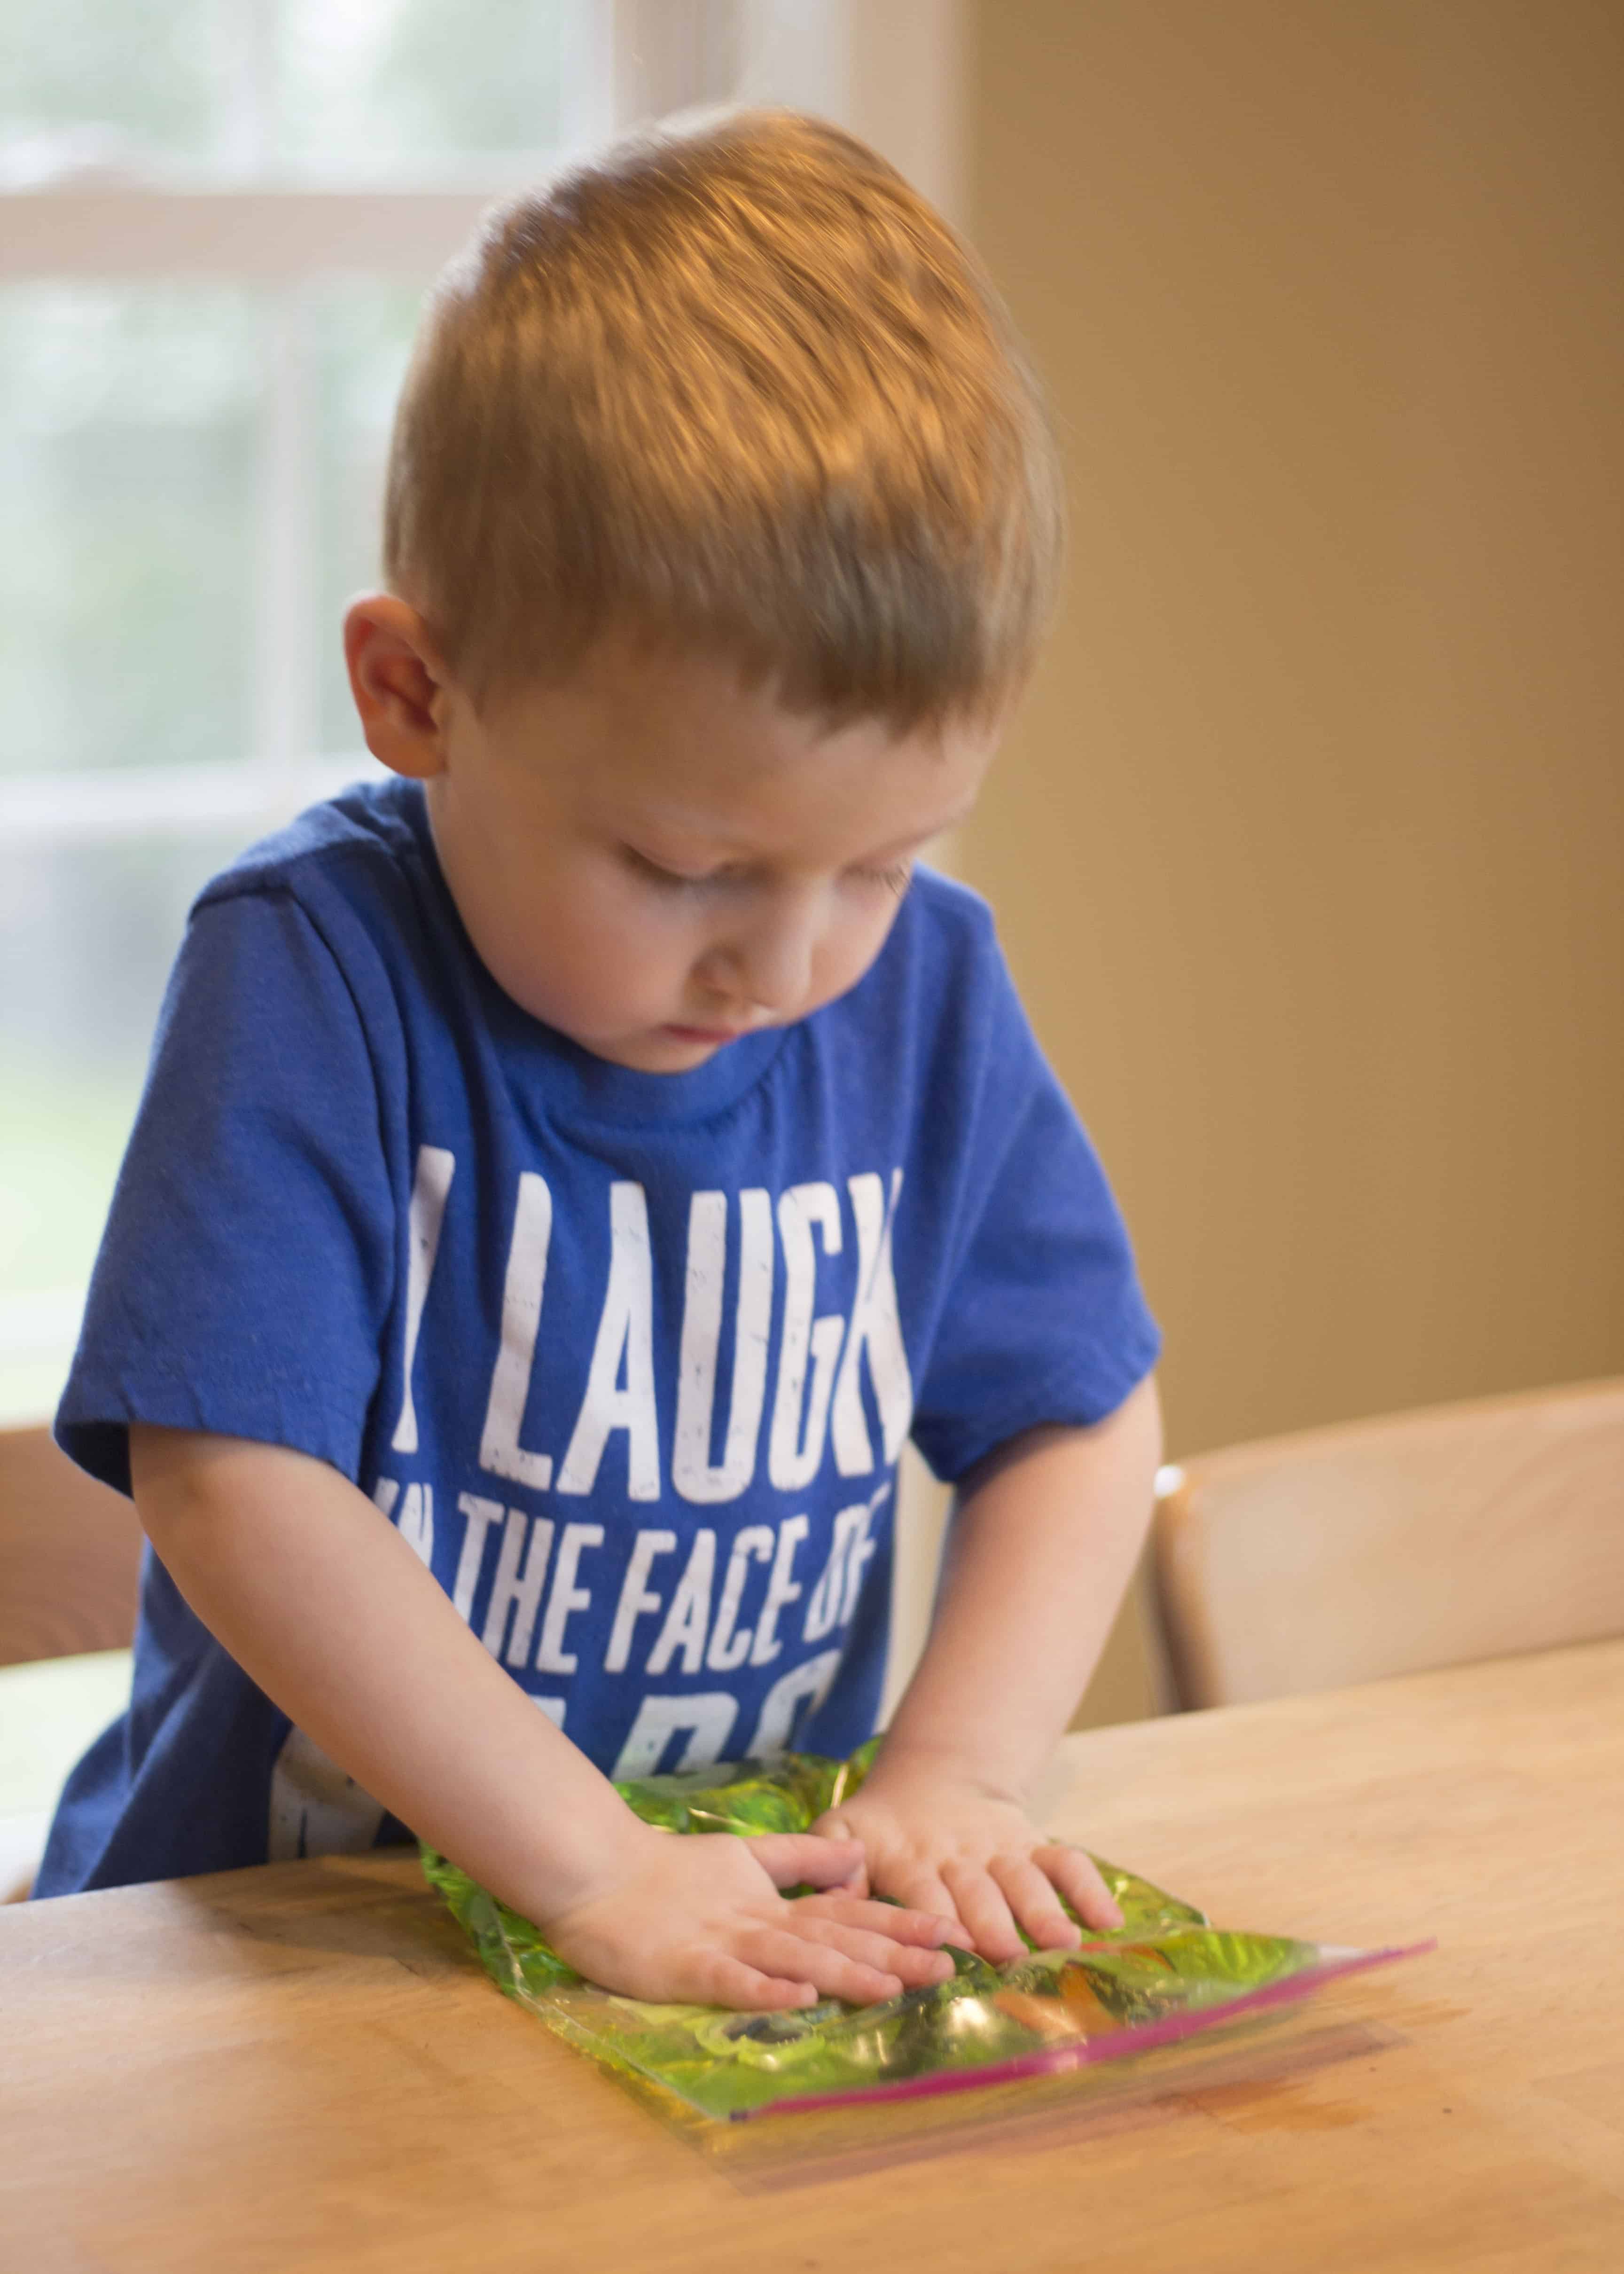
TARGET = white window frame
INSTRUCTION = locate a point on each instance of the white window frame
(280, 239)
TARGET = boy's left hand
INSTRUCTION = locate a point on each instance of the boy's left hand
(938, 1842)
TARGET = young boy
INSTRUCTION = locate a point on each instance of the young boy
(570, 1168)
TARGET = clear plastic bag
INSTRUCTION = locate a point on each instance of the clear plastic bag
(1161, 1977)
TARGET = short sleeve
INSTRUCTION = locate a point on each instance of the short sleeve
(247, 1267)
(1043, 1320)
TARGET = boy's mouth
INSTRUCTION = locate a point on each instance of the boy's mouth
(705, 1034)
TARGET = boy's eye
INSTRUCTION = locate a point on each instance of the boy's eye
(672, 877)
(895, 879)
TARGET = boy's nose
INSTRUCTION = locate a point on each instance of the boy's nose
(770, 961)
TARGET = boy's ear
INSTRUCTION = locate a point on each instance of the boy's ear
(398, 681)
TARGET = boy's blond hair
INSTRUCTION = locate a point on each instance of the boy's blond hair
(738, 386)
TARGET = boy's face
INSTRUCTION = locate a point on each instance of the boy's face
(655, 858)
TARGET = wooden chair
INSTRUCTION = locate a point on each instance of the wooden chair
(70, 1554)
(1391, 1546)
(70, 1560)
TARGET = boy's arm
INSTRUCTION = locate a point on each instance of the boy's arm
(1043, 1541)
(324, 1605)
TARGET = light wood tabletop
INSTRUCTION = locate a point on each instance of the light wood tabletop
(300, 2069)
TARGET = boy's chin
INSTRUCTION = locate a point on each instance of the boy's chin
(661, 1050)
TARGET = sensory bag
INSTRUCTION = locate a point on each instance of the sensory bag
(1161, 1976)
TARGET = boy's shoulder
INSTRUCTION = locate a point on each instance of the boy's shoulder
(949, 908)
(374, 829)
(936, 1009)
(942, 923)
(942, 956)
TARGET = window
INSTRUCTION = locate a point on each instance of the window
(217, 218)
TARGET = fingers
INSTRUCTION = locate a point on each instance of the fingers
(766, 1967)
(720, 1980)
(982, 1905)
(926, 1894)
(873, 1947)
(792, 1859)
(987, 1905)
(1030, 1895)
(771, 1968)
(1015, 1894)
(836, 1830)
(836, 1973)
(1079, 1882)
(928, 1929)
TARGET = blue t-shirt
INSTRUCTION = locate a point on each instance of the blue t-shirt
(628, 1358)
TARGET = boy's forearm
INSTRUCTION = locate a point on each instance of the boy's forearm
(1038, 1554)
(326, 1607)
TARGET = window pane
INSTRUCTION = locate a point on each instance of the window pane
(127, 456)
(360, 90)
(132, 447)
(109, 81)
(360, 335)
(409, 88)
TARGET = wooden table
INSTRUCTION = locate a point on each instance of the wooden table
(300, 2068)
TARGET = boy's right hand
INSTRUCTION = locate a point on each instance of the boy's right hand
(701, 1921)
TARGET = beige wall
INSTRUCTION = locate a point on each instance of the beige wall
(1308, 847)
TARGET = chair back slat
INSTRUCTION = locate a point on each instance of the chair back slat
(1392, 1546)
(70, 1554)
